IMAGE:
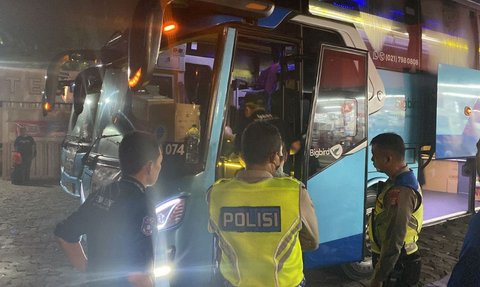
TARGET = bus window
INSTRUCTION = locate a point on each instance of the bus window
(174, 105)
(264, 86)
(339, 116)
(81, 125)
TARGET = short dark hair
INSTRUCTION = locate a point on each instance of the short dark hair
(136, 149)
(391, 142)
(259, 141)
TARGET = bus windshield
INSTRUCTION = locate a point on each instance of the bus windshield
(175, 103)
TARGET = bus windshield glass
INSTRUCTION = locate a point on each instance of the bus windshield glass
(175, 103)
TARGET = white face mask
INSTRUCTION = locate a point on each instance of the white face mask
(279, 171)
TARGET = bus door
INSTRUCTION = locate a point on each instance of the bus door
(450, 178)
(336, 154)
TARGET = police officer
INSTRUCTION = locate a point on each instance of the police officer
(254, 110)
(262, 223)
(397, 218)
(117, 221)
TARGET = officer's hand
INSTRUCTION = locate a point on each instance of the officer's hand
(376, 283)
(228, 133)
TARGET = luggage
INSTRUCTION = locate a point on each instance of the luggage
(16, 175)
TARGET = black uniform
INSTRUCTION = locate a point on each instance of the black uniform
(119, 224)
(25, 145)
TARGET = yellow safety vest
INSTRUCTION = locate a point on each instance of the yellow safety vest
(258, 225)
(377, 231)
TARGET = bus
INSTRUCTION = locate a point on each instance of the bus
(426, 53)
(336, 72)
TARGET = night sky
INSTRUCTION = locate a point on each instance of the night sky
(39, 29)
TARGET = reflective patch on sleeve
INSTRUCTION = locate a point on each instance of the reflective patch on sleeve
(393, 195)
(250, 219)
(147, 225)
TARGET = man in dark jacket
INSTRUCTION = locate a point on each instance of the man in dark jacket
(25, 145)
(118, 221)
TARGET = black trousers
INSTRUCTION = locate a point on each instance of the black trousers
(25, 169)
(406, 272)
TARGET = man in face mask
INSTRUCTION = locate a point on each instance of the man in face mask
(262, 222)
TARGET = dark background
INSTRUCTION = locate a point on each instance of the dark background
(36, 30)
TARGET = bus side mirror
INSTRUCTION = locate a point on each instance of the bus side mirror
(61, 72)
(144, 41)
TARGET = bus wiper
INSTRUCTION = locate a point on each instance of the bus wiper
(85, 159)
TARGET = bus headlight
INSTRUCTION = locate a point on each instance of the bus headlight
(170, 213)
(162, 271)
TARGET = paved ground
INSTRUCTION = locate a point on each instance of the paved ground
(30, 257)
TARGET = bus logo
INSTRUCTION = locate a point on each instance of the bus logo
(335, 151)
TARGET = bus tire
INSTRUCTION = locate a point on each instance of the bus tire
(363, 269)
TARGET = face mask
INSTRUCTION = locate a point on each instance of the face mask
(279, 171)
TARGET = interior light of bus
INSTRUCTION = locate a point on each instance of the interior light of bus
(467, 111)
(463, 86)
(133, 81)
(426, 148)
(169, 27)
(256, 6)
(461, 95)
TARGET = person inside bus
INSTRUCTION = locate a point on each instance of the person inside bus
(280, 214)
(466, 273)
(118, 221)
(397, 218)
(286, 102)
(254, 110)
(268, 78)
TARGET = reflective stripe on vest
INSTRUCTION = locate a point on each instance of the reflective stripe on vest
(258, 226)
(377, 230)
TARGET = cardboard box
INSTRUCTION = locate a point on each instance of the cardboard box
(441, 175)
(168, 120)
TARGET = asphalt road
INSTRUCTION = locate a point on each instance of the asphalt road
(29, 256)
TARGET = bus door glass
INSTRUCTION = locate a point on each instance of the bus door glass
(446, 188)
(336, 152)
(263, 86)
